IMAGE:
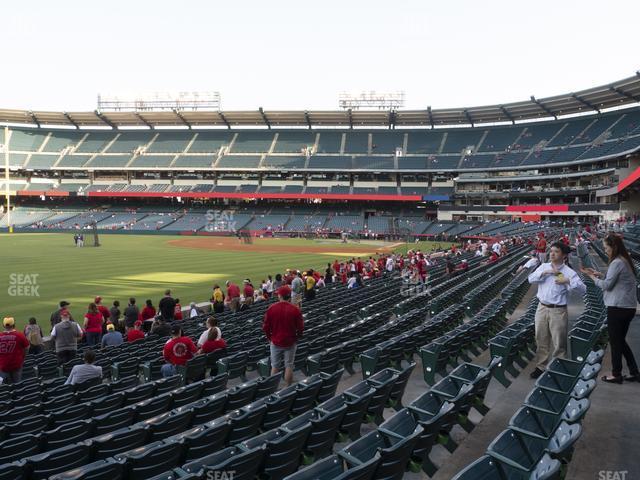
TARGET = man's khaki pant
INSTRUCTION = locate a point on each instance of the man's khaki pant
(551, 334)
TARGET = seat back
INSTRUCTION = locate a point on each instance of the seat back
(117, 442)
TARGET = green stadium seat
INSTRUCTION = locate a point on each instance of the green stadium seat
(70, 414)
(208, 408)
(67, 434)
(204, 439)
(382, 382)
(488, 468)
(168, 384)
(245, 422)
(267, 385)
(47, 464)
(240, 395)
(153, 459)
(80, 387)
(108, 404)
(234, 365)
(430, 409)
(114, 420)
(399, 386)
(184, 395)
(151, 369)
(193, 370)
(278, 407)
(125, 383)
(334, 468)
(93, 393)
(324, 433)
(214, 384)
(395, 453)
(154, 406)
(19, 447)
(168, 424)
(107, 469)
(307, 394)
(139, 393)
(330, 383)
(13, 471)
(124, 369)
(283, 450)
(58, 403)
(356, 402)
(122, 440)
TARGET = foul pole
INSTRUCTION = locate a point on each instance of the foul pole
(6, 177)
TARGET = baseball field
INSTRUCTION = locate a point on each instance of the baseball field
(38, 270)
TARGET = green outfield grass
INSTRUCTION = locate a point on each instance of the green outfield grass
(39, 270)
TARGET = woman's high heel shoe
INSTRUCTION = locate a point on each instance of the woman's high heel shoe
(633, 378)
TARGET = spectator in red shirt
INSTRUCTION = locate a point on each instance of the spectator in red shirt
(93, 321)
(177, 351)
(233, 296)
(135, 333)
(177, 311)
(104, 311)
(148, 312)
(247, 291)
(541, 248)
(283, 326)
(213, 343)
(13, 348)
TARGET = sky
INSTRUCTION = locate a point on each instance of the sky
(300, 55)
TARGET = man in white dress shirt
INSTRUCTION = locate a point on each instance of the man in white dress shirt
(554, 279)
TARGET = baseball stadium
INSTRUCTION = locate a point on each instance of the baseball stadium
(370, 291)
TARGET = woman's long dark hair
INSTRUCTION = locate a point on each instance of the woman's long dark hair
(618, 249)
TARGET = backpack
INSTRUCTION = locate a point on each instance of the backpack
(34, 337)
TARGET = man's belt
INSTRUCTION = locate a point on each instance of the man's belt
(552, 306)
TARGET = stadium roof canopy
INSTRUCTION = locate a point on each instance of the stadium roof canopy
(624, 92)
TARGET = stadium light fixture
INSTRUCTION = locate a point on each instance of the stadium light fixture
(158, 101)
(371, 100)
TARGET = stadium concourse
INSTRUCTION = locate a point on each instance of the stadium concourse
(407, 375)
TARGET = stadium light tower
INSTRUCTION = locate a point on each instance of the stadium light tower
(158, 101)
(372, 100)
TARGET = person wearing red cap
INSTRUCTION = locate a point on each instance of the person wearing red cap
(283, 325)
(135, 333)
(13, 348)
(104, 311)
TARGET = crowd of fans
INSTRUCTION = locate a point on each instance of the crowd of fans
(103, 327)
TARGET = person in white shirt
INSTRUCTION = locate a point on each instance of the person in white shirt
(496, 247)
(531, 263)
(211, 323)
(554, 279)
(390, 264)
